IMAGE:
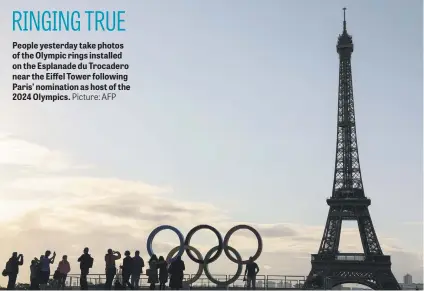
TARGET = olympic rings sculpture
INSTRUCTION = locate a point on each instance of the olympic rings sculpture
(210, 256)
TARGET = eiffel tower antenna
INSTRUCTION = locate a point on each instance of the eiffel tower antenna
(344, 19)
(348, 201)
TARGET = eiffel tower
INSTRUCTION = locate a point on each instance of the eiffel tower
(348, 202)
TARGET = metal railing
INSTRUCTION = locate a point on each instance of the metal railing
(350, 257)
(268, 282)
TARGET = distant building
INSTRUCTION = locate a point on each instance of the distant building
(284, 284)
(407, 279)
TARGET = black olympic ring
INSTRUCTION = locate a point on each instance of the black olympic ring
(190, 235)
(203, 263)
(198, 254)
(231, 232)
(229, 281)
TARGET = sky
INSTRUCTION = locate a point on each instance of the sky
(231, 118)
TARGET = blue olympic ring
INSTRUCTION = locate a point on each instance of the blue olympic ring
(159, 229)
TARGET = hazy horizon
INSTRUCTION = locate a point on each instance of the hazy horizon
(231, 118)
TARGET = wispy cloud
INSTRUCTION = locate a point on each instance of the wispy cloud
(18, 152)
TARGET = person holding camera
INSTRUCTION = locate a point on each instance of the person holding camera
(45, 263)
(110, 259)
(12, 269)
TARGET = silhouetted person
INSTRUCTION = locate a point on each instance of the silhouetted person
(34, 274)
(163, 272)
(138, 265)
(12, 269)
(39, 270)
(86, 262)
(45, 263)
(152, 272)
(252, 270)
(176, 269)
(110, 259)
(64, 268)
(127, 270)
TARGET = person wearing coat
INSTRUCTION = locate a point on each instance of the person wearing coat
(152, 272)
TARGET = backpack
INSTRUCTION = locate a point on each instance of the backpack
(90, 262)
(6, 270)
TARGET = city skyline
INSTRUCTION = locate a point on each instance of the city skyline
(228, 121)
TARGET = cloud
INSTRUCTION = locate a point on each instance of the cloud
(277, 230)
(86, 188)
(66, 213)
(18, 152)
(128, 200)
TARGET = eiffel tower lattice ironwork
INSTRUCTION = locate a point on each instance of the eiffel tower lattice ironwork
(348, 202)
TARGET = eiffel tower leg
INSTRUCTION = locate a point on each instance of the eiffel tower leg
(315, 280)
(331, 238)
(387, 281)
(367, 232)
